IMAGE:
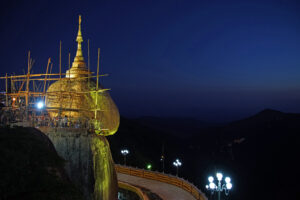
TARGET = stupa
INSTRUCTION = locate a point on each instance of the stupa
(78, 96)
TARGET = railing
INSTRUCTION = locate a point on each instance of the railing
(134, 189)
(165, 178)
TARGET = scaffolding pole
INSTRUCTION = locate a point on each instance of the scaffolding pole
(89, 63)
(60, 77)
(45, 81)
(59, 59)
(97, 85)
(27, 81)
(6, 97)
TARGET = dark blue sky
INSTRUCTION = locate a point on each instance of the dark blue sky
(213, 60)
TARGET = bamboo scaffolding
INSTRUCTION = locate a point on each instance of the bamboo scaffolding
(6, 91)
(89, 62)
(97, 85)
(31, 87)
(45, 82)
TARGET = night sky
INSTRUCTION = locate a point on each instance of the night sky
(211, 60)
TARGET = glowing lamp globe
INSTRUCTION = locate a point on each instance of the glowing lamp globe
(228, 186)
(219, 176)
(212, 186)
(227, 180)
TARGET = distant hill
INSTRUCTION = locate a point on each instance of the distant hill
(173, 125)
(268, 118)
(259, 152)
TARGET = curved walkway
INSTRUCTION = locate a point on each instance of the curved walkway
(167, 187)
(163, 190)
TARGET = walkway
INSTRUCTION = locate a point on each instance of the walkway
(164, 190)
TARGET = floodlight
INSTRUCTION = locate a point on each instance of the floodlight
(40, 105)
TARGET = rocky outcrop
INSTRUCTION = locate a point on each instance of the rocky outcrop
(89, 162)
(30, 168)
(106, 184)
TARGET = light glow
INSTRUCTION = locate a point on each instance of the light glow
(124, 152)
(210, 179)
(228, 186)
(227, 180)
(177, 163)
(149, 166)
(219, 176)
(212, 186)
(40, 105)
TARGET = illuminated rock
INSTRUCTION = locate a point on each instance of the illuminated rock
(106, 184)
(77, 97)
(89, 163)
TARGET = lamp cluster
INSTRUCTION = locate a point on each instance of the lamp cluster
(177, 163)
(124, 152)
(219, 187)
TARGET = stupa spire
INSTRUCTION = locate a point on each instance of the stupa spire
(79, 60)
(78, 66)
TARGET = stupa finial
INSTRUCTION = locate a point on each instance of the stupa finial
(79, 40)
(79, 35)
(78, 66)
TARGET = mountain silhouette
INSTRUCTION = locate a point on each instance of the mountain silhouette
(260, 152)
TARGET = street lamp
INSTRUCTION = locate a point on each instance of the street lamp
(177, 164)
(219, 187)
(124, 152)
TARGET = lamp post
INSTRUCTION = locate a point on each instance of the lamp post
(124, 152)
(219, 187)
(177, 164)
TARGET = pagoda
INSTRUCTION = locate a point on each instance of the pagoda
(80, 97)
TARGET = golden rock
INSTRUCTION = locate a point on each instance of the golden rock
(77, 97)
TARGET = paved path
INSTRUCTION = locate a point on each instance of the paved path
(164, 190)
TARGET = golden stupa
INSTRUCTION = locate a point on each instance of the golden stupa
(77, 96)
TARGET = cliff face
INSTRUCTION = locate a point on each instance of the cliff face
(106, 183)
(30, 167)
(89, 161)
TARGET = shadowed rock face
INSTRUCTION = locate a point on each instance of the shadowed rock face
(89, 162)
(30, 168)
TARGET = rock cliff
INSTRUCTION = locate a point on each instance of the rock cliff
(89, 161)
(31, 169)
